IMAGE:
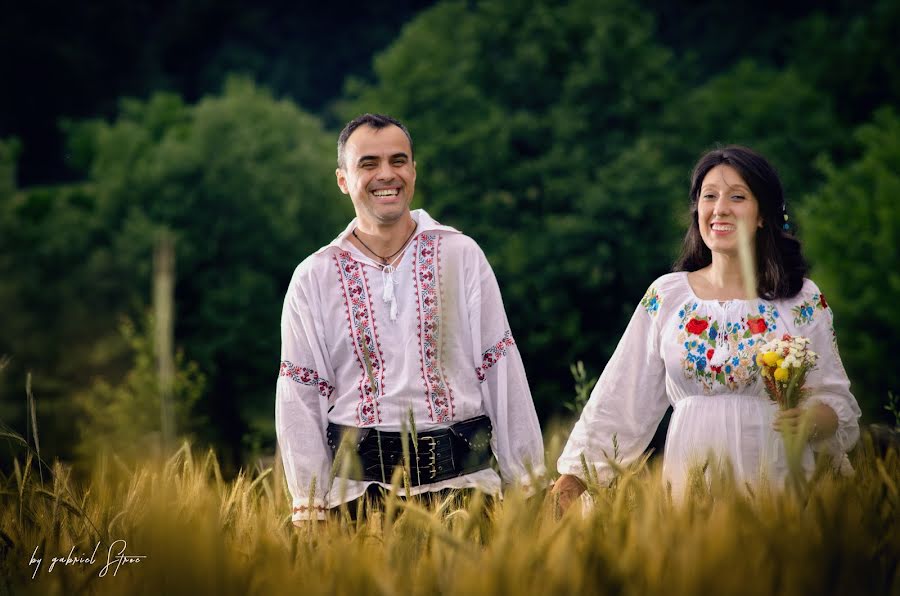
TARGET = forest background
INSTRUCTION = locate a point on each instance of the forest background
(559, 135)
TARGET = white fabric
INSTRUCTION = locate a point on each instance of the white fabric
(730, 416)
(447, 356)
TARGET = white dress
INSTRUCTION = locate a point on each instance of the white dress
(699, 356)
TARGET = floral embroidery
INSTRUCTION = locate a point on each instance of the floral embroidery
(427, 273)
(364, 335)
(805, 311)
(699, 338)
(306, 376)
(765, 321)
(651, 301)
(493, 354)
(723, 354)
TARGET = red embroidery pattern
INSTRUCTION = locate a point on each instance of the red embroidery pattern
(493, 354)
(306, 508)
(306, 376)
(438, 394)
(364, 335)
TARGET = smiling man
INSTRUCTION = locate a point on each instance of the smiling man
(398, 322)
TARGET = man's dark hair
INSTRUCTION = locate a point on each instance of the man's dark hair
(780, 266)
(376, 121)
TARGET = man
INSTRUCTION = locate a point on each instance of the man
(399, 317)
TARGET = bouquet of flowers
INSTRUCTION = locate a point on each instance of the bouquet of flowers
(784, 364)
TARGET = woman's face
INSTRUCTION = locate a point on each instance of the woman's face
(725, 204)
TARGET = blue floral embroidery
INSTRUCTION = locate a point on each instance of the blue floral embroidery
(806, 311)
(651, 301)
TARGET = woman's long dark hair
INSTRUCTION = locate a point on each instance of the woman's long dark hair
(780, 266)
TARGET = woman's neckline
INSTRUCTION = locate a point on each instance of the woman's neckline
(690, 289)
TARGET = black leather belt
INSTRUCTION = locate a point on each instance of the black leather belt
(437, 455)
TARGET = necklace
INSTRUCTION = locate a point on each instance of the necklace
(387, 271)
(386, 260)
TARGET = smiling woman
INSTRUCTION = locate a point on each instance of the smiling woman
(726, 203)
(737, 185)
(693, 341)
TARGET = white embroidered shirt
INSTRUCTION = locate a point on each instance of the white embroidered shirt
(448, 356)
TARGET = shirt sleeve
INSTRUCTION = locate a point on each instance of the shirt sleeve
(626, 405)
(827, 383)
(304, 388)
(516, 440)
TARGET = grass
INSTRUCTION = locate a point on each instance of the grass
(204, 535)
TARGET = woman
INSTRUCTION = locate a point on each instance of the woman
(693, 339)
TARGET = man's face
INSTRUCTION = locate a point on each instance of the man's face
(378, 174)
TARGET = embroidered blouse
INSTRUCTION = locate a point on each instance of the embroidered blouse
(699, 356)
(447, 356)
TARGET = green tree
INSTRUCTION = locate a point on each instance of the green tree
(561, 137)
(776, 112)
(245, 183)
(852, 234)
(124, 419)
(520, 114)
(56, 304)
(852, 56)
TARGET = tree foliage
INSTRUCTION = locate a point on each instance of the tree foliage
(124, 418)
(561, 137)
(244, 182)
(520, 115)
(852, 227)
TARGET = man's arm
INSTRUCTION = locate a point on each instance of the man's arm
(517, 440)
(304, 389)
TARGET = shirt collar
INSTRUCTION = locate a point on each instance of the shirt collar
(424, 223)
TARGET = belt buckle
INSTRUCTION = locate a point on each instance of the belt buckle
(432, 455)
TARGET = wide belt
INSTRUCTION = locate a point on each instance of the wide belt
(435, 455)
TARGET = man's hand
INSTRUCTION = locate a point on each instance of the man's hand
(566, 490)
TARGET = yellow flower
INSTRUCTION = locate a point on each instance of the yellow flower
(780, 362)
(782, 374)
(760, 361)
(770, 358)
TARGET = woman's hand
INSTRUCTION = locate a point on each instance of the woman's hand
(566, 490)
(816, 422)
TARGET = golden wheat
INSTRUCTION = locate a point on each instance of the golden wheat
(201, 534)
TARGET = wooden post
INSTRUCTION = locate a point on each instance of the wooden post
(164, 319)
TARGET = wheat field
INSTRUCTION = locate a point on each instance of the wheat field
(200, 534)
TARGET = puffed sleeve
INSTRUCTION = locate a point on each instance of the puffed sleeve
(627, 403)
(303, 390)
(507, 400)
(827, 383)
